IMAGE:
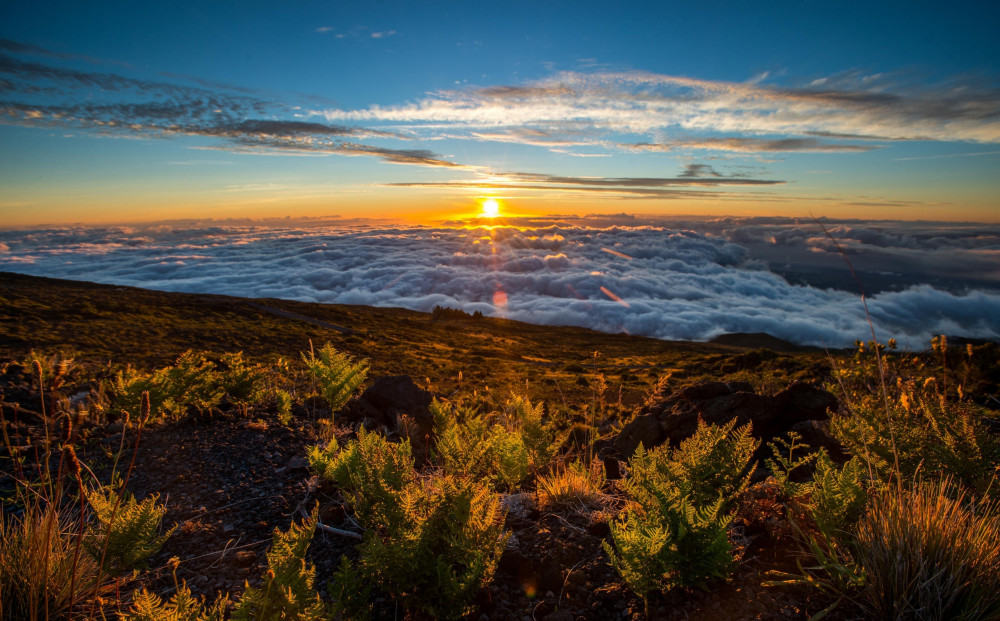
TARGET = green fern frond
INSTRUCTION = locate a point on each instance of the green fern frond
(130, 534)
(182, 606)
(337, 373)
(287, 592)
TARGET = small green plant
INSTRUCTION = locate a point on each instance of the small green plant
(442, 551)
(468, 444)
(714, 462)
(838, 495)
(245, 383)
(784, 461)
(372, 471)
(337, 373)
(192, 383)
(287, 592)
(127, 531)
(675, 532)
(538, 437)
(283, 404)
(182, 606)
(431, 542)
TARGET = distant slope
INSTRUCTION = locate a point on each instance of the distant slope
(150, 328)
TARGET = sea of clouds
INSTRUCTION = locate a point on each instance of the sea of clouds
(691, 280)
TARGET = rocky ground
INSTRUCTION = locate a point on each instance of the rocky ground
(229, 479)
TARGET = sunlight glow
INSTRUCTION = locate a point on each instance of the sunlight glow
(491, 208)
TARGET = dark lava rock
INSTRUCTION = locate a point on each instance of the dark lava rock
(643, 429)
(388, 398)
(717, 403)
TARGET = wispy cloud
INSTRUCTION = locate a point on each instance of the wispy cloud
(243, 121)
(647, 103)
(753, 145)
(693, 176)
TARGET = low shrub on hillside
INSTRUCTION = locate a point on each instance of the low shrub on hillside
(675, 533)
(287, 591)
(431, 542)
(191, 383)
(337, 374)
(470, 444)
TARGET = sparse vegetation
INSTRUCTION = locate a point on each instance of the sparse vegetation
(337, 374)
(904, 523)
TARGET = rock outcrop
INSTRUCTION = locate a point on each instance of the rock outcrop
(676, 417)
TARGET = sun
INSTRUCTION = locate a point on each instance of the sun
(491, 208)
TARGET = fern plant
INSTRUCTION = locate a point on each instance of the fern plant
(287, 592)
(337, 373)
(676, 531)
(127, 531)
(837, 495)
(784, 461)
(469, 445)
(371, 471)
(191, 383)
(678, 544)
(713, 462)
(539, 438)
(437, 557)
(182, 606)
(244, 382)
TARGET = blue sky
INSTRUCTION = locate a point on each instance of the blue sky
(135, 111)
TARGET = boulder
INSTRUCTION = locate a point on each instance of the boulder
(717, 403)
(388, 398)
(643, 429)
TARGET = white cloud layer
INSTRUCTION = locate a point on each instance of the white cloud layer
(669, 283)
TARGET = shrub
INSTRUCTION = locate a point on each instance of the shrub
(930, 552)
(191, 383)
(283, 403)
(539, 438)
(436, 558)
(244, 383)
(372, 472)
(903, 421)
(127, 531)
(430, 542)
(676, 531)
(837, 495)
(713, 462)
(287, 592)
(337, 373)
(467, 444)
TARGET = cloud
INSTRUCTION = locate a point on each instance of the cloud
(385, 34)
(754, 145)
(241, 120)
(674, 284)
(694, 175)
(646, 103)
